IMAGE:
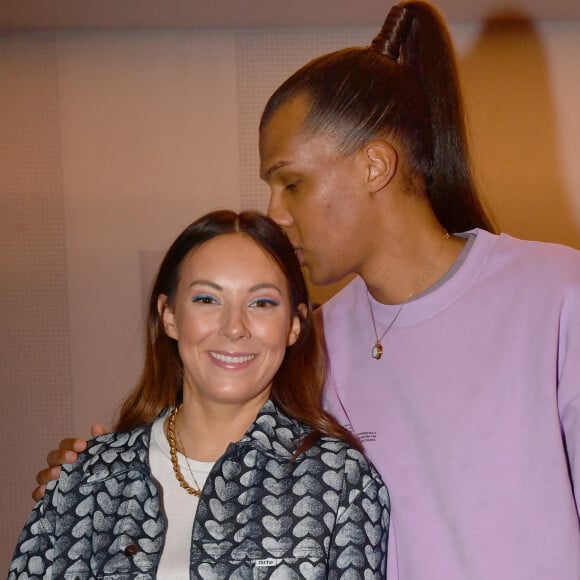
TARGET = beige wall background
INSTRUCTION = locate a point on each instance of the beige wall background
(112, 142)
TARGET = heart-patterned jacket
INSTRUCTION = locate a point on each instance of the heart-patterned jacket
(261, 514)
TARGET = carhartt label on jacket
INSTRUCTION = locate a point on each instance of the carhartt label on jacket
(267, 562)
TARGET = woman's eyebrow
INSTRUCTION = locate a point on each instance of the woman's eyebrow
(254, 288)
(206, 283)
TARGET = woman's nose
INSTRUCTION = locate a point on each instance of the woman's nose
(234, 326)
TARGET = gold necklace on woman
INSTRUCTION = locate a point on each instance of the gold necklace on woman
(171, 437)
(377, 350)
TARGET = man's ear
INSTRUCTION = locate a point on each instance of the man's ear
(381, 159)
(167, 316)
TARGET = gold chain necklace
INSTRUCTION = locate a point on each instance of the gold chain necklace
(173, 453)
(377, 350)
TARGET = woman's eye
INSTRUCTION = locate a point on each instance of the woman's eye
(263, 303)
(204, 299)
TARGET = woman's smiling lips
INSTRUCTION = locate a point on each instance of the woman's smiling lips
(232, 360)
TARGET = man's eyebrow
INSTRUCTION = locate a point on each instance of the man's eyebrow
(268, 173)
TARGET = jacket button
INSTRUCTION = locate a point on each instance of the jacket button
(131, 550)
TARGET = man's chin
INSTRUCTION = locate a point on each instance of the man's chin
(319, 278)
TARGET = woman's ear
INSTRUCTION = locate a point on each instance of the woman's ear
(294, 331)
(167, 316)
(381, 158)
(296, 325)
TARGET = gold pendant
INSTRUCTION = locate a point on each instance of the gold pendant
(377, 351)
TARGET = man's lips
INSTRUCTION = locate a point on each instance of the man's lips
(299, 255)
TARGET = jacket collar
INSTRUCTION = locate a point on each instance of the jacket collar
(115, 453)
(273, 433)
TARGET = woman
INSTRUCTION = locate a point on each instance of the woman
(223, 464)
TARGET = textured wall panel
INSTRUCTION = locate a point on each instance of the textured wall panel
(265, 59)
(35, 375)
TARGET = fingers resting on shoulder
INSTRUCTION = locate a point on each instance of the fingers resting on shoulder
(67, 452)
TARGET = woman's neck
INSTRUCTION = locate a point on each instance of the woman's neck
(205, 429)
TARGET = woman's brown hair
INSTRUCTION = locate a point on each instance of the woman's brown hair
(297, 385)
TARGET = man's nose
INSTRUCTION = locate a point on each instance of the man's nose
(278, 212)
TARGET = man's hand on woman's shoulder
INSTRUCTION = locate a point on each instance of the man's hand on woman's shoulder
(67, 452)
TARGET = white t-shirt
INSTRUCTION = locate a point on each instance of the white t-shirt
(180, 506)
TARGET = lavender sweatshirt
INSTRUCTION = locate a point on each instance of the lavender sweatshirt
(472, 415)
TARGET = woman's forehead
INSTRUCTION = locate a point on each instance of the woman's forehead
(235, 254)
